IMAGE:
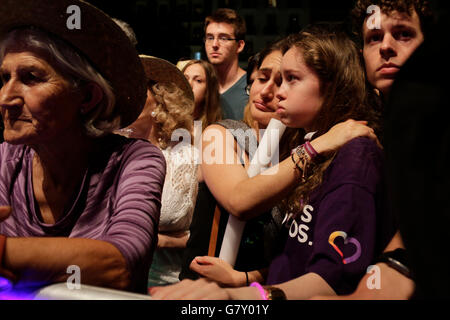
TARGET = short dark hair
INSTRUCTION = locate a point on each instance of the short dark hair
(229, 16)
(422, 8)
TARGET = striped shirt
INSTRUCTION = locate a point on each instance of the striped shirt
(118, 201)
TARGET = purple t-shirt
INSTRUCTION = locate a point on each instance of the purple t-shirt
(118, 201)
(343, 226)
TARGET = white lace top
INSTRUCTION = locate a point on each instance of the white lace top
(177, 206)
(180, 188)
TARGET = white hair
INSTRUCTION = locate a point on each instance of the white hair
(75, 68)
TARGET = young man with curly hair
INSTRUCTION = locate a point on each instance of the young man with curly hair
(390, 31)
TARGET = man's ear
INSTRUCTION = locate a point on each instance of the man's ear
(241, 45)
(93, 94)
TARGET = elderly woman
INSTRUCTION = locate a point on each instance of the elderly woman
(165, 120)
(71, 192)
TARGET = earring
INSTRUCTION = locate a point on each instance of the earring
(153, 114)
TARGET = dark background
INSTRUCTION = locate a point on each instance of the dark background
(173, 29)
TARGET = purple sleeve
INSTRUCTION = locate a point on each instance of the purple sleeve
(346, 227)
(133, 228)
(349, 209)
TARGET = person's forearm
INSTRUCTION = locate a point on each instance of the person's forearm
(253, 196)
(178, 240)
(305, 287)
(243, 277)
(246, 197)
(255, 276)
(47, 259)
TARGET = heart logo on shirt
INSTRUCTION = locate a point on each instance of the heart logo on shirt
(355, 242)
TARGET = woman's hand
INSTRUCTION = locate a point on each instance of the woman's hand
(203, 289)
(218, 270)
(342, 133)
(5, 211)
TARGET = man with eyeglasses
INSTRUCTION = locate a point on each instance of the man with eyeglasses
(224, 40)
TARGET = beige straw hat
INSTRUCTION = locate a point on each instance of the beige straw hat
(93, 34)
(160, 70)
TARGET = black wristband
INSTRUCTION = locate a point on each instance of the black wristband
(397, 260)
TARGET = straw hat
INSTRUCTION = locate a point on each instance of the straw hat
(160, 70)
(99, 39)
(182, 63)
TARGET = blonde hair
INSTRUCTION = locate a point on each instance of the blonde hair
(173, 111)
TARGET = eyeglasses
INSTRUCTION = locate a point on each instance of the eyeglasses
(222, 39)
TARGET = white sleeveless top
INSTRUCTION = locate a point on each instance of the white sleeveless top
(177, 206)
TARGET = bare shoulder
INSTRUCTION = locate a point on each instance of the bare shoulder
(216, 132)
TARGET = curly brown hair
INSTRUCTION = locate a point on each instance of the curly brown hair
(173, 111)
(421, 7)
(333, 56)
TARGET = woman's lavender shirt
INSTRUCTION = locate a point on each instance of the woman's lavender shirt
(351, 199)
(118, 201)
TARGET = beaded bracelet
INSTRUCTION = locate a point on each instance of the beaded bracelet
(261, 290)
(305, 160)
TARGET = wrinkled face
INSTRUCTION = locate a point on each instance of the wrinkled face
(263, 104)
(299, 96)
(196, 76)
(38, 104)
(219, 50)
(386, 49)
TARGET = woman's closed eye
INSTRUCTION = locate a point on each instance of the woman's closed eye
(30, 77)
(262, 79)
(4, 78)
